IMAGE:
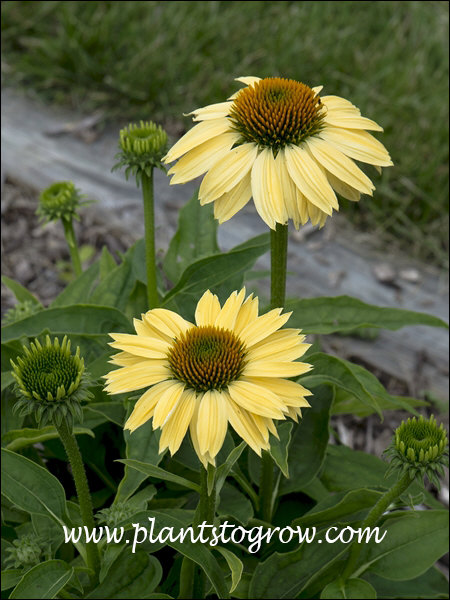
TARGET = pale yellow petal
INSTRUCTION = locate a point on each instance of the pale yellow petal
(125, 359)
(270, 368)
(241, 421)
(248, 81)
(212, 111)
(317, 89)
(212, 422)
(227, 172)
(148, 372)
(357, 144)
(302, 207)
(208, 307)
(175, 428)
(291, 392)
(144, 407)
(231, 202)
(284, 339)
(167, 403)
(263, 326)
(256, 399)
(145, 328)
(338, 103)
(227, 315)
(343, 189)
(310, 179)
(248, 313)
(193, 432)
(197, 135)
(201, 158)
(167, 321)
(267, 189)
(334, 161)
(140, 345)
(349, 121)
(289, 190)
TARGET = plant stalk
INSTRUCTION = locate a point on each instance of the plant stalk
(150, 255)
(278, 260)
(73, 247)
(372, 518)
(84, 497)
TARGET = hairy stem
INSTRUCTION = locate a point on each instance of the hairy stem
(150, 256)
(73, 247)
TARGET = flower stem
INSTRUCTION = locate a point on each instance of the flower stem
(73, 248)
(192, 578)
(149, 221)
(84, 497)
(372, 518)
(278, 260)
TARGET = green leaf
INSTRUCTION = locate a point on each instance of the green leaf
(20, 438)
(286, 575)
(112, 411)
(340, 313)
(309, 441)
(106, 263)
(31, 487)
(44, 580)
(279, 447)
(195, 238)
(235, 564)
(78, 291)
(352, 588)
(343, 506)
(346, 375)
(158, 473)
(199, 553)
(10, 578)
(142, 445)
(75, 319)
(224, 469)
(20, 292)
(412, 544)
(346, 403)
(432, 584)
(210, 272)
(130, 576)
(234, 503)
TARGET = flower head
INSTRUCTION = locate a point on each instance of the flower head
(61, 200)
(21, 310)
(227, 368)
(142, 147)
(280, 142)
(27, 551)
(51, 381)
(419, 447)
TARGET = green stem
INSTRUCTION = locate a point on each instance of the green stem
(372, 518)
(84, 497)
(149, 222)
(73, 248)
(192, 578)
(278, 260)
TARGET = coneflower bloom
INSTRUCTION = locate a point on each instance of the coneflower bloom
(280, 142)
(230, 367)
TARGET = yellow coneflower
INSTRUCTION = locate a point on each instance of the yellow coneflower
(280, 142)
(227, 368)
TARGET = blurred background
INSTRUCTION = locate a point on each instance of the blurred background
(159, 60)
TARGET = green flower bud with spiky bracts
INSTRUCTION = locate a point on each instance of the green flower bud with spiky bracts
(115, 514)
(51, 382)
(21, 310)
(27, 551)
(419, 447)
(142, 147)
(61, 200)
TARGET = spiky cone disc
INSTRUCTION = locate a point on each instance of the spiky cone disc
(419, 447)
(61, 200)
(51, 382)
(142, 146)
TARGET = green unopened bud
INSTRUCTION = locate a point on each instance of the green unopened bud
(142, 147)
(51, 382)
(20, 311)
(115, 514)
(27, 551)
(60, 201)
(419, 447)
